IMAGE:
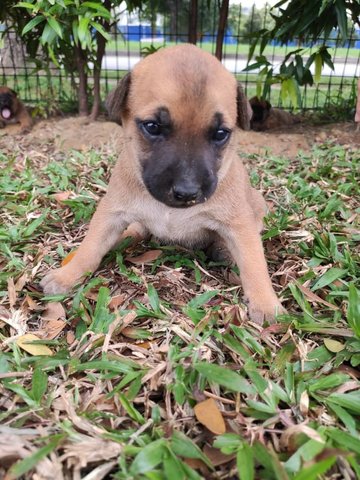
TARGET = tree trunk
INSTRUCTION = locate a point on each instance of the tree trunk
(224, 11)
(83, 81)
(153, 20)
(173, 7)
(100, 52)
(193, 17)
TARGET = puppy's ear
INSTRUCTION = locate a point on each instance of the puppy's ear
(13, 92)
(244, 110)
(116, 102)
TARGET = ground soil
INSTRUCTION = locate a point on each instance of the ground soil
(64, 134)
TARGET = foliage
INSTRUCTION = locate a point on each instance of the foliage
(244, 24)
(306, 22)
(72, 33)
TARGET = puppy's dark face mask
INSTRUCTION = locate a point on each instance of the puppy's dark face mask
(179, 166)
(6, 104)
(180, 124)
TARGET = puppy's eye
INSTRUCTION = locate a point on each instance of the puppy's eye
(152, 128)
(220, 136)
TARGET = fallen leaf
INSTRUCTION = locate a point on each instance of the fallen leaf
(116, 301)
(288, 437)
(62, 196)
(216, 457)
(32, 305)
(304, 403)
(21, 281)
(70, 338)
(273, 330)
(52, 328)
(145, 345)
(24, 342)
(146, 257)
(333, 345)
(53, 311)
(11, 291)
(348, 386)
(68, 258)
(197, 464)
(208, 413)
(315, 298)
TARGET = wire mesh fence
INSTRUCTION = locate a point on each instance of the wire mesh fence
(141, 32)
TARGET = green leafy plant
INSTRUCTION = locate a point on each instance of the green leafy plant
(305, 22)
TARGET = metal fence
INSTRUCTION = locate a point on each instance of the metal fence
(137, 34)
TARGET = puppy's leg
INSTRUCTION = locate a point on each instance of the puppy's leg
(258, 206)
(104, 232)
(244, 243)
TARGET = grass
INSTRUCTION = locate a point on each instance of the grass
(229, 49)
(153, 371)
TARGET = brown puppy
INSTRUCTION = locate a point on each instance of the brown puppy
(179, 175)
(265, 117)
(12, 110)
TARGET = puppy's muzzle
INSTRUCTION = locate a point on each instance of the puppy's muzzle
(186, 193)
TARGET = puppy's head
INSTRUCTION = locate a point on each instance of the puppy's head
(261, 110)
(179, 108)
(7, 103)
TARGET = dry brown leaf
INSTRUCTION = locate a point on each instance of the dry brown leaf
(304, 403)
(62, 196)
(145, 345)
(32, 305)
(116, 301)
(315, 298)
(216, 456)
(127, 319)
(21, 281)
(146, 257)
(333, 345)
(24, 342)
(197, 464)
(53, 311)
(348, 386)
(68, 258)
(11, 292)
(52, 328)
(287, 439)
(208, 413)
(70, 338)
(130, 332)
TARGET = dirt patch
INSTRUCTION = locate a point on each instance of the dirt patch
(77, 133)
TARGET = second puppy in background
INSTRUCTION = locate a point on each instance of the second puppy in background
(265, 117)
(12, 110)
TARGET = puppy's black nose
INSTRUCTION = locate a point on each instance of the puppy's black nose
(186, 193)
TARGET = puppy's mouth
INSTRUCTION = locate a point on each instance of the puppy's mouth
(177, 198)
(6, 113)
(173, 201)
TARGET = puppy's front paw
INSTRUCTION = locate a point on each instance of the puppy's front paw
(260, 311)
(57, 281)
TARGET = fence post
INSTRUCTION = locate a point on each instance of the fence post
(224, 10)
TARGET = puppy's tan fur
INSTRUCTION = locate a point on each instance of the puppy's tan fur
(193, 85)
(19, 113)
